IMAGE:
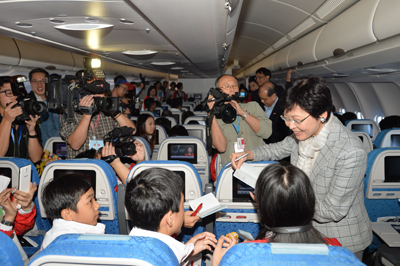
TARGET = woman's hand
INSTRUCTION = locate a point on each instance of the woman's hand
(238, 164)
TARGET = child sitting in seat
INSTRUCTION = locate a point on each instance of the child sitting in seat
(154, 201)
(70, 201)
(286, 202)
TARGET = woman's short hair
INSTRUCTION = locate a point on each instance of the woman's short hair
(310, 94)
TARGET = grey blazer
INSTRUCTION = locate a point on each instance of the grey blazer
(337, 180)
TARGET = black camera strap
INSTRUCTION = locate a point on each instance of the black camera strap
(70, 109)
(208, 132)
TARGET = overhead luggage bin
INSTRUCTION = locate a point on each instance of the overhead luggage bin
(386, 16)
(350, 30)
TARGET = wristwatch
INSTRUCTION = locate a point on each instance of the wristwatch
(110, 158)
(244, 117)
(7, 222)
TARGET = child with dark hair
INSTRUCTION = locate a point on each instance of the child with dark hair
(154, 201)
(70, 201)
(178, 130)
(286, 203)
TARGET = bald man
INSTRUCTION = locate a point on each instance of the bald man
(270, 102)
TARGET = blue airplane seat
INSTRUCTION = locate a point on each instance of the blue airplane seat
(102, 177)
(14, 164)
(241, 212)
(368, 126)
(147, 149)
(388, 138)
(9, 253)
(105, 250)
(381, 197)
(258, 254)
(192, 190)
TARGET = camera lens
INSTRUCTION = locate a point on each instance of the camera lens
(39, 107)
(228, 114)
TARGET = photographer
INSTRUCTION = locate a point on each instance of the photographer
(249, 128)
(88, 128)
(22, 140)
(109, 155)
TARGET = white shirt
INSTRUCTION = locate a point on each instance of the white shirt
(180, 250)
(63, 227)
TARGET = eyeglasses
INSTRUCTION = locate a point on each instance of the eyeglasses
(232, 86)
(260, 77)
(8, 93)
(34, 81)
(295, 121)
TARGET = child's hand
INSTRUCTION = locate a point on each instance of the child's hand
(8, 206)
(25, 199)
(202, 241)
(189, 220)
(224, 243)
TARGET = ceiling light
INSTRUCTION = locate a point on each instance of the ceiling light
(91, 20)
(23, 25)
(81, 26)
(125, 21)
(139, 52)
(56, 21)
(165, 63)
(184, 71)
(176, 68)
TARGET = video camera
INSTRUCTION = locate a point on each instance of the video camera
(121, 138)
(225, 111)
(30, 106)
(66, 93)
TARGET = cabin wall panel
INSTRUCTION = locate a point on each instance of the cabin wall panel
(191, 86)
(347, 96)
(367, 98)
(388, 95)
(336, 99)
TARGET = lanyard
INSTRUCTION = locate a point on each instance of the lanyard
(236, 128)
(16, 148)
(97, 121)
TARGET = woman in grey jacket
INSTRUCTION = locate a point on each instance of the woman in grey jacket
(331, 155)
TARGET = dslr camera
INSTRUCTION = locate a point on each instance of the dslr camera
(30, 106)
(225, 111)
(67, 92)
(121, 138)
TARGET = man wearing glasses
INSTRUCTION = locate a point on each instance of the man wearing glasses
(17, 140)
(49, 122)
(264, 75)
(248, 130)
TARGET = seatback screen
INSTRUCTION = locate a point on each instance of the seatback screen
(241, 191)
(89, 174)
(183, 152)
(395, 140)
(60, 149)
(392, 169)
(367, 128)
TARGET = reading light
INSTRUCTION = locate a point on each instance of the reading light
(165, 63)
(139, 52)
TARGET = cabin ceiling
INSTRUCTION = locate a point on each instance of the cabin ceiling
(201, 38)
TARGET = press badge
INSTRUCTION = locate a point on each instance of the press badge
(239, 145)
(96, 144)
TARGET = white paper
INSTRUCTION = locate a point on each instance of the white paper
(4, 181)
(248, 174)
(210, 205)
